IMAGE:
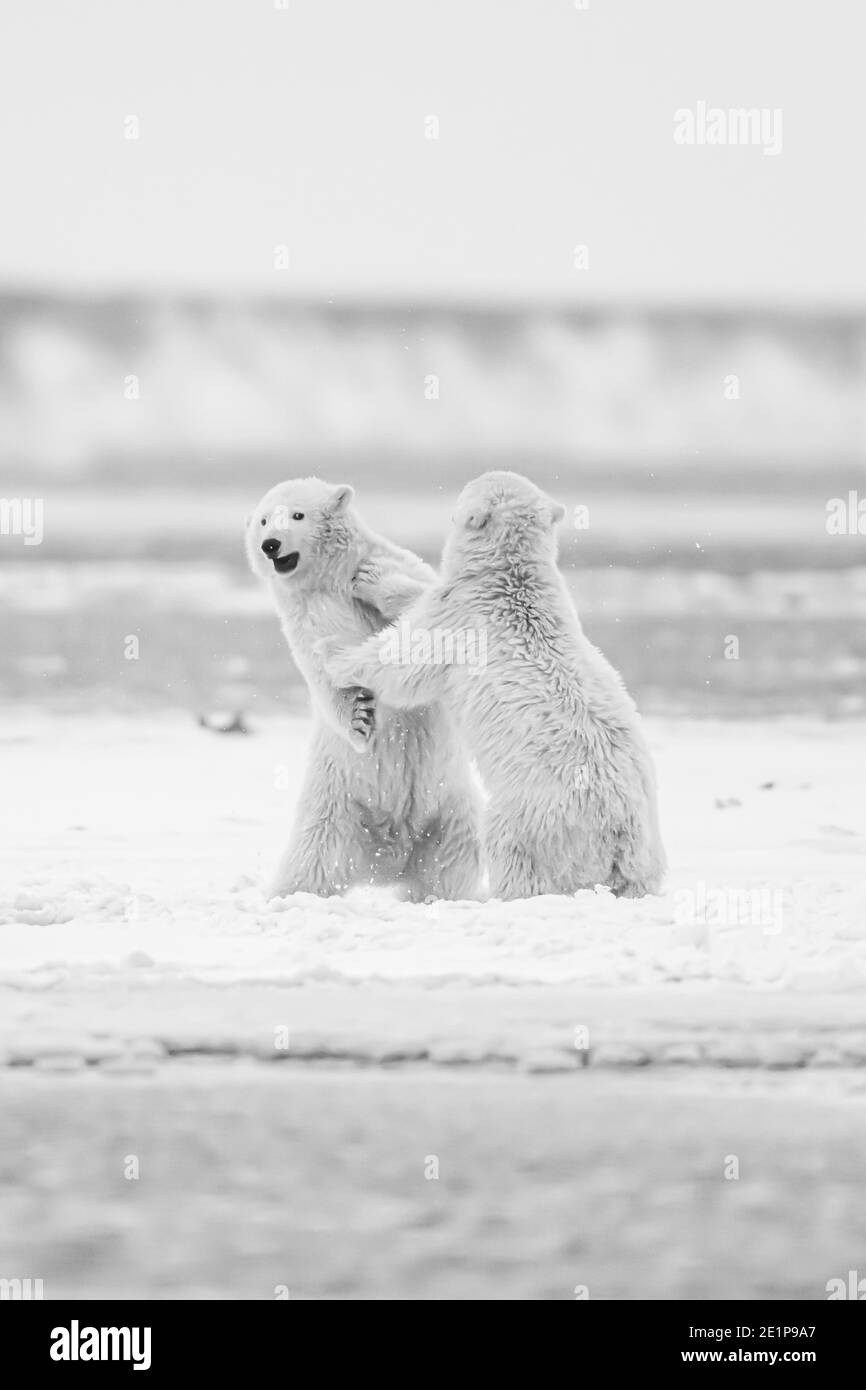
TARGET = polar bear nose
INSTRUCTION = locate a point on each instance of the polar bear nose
(270, 547)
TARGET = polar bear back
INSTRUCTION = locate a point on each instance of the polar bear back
(546, 710)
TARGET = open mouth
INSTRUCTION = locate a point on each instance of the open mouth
(284, 564)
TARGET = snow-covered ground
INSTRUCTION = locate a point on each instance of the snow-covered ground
(474, 1100)
(132, 922)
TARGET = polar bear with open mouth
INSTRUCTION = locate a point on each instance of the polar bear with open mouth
(387, 795)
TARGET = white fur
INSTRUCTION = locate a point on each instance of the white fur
(557, 738)
(394, 806)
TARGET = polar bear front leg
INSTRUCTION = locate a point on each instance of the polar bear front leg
(402, 683)
(387, 588)
(401, 686)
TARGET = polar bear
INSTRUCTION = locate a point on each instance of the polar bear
(387, 795)
(557, 738)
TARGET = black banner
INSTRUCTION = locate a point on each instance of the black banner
(160, 1339)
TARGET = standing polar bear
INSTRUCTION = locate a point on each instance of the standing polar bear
(387, 796)
(557, 739)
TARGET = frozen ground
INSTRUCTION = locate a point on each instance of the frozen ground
(582, 1071)
(130, 909)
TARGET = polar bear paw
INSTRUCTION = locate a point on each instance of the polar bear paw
(363, 720)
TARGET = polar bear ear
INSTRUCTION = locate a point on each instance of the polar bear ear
(341, 497)
(557, 513)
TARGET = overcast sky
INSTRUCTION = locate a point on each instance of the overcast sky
(305, 127)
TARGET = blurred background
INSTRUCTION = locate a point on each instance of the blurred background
(396, 245)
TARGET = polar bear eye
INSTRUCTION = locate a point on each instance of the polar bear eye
(264, 521)
(297, 516)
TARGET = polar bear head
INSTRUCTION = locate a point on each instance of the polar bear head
(500, 517)
(300, 531)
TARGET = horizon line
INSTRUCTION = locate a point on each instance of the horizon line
(399, 301)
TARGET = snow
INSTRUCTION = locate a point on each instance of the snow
(132, 922)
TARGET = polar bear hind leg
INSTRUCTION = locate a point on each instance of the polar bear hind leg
(639, 859)
(511, 859)
(330, 849)
(636, 874)
(446, 860)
